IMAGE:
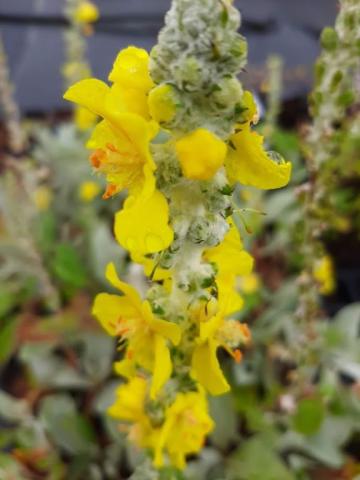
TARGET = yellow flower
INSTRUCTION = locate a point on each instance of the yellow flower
(251, 113)
(142, 225)
(42, 198)
(122, 154)
(84, 119)
(248, 163)
(230, 256)
(88, 191)
(132, 320)
(121, 141)
(214, 332)
(162, 103)
(131, 68)
(324, 274)
(231, 261)
(130, 407)
(249, 283)
(183, 432)
(86, 12)
(201, 153)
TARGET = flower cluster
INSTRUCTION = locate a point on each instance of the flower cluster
(176, 136)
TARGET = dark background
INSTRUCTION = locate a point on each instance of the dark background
(32, 32)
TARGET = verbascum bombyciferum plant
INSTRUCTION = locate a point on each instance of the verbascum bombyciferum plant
(176, 135)
(331, 151)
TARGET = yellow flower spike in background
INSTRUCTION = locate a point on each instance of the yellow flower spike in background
(88, 191)
(186, 425)
(324, 274)
(43, 197)
(132, 320)
(201, 154)
(86, 12)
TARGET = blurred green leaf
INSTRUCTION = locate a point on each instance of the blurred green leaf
(258, 460)
(12, 409)
(46, 231)
(103, 249)
(7, 338)
(97, 355)
(10, 468)
(68, 266)
(223, 413)
(309, 415)
(70, 430)
(8, 300)
(49, 369)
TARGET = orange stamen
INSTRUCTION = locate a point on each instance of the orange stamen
(245, 331)
(237, 355)
(109, 192)
(97, 157)
(111, 147)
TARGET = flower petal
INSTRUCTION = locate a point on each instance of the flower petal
(89, 93)
(129, 291)
(229, 256)
(125, 368)
(131, 69)
(229, 299)
(250, 164)
(162, 366)
(167, 329)
(108, 309)
(201, 153)
(128, 99)
(130, 398)
(207, 369)
(142, 226)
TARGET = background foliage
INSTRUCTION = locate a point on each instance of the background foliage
(294, 412)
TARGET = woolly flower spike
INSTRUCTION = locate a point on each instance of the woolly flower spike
(146, 336)
(176, 137)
